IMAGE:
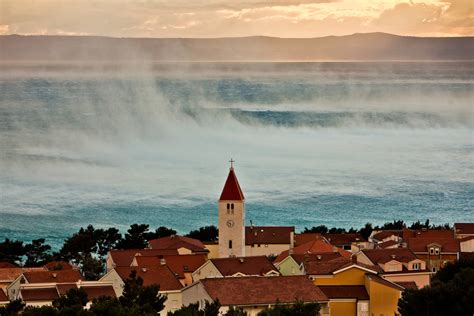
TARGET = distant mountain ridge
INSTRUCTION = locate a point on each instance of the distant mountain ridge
(367, 46)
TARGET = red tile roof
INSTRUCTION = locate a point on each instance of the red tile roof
(174, 242)
(386, 244)
(464, 228)
(344, 239)
(232, 190)
(407, 284)
(244, 291)
(377, 256)
(387, 233)
(268, 235)
(382, 281)
(3, 296)
(60, 276)
(179, 264)
(161, 275)
(325, 256)
(39, 294)
(345, 291)
(97, 291)
(258, 265)
(123, 258)
(326, 267)
(421, 244)
(5, 264)
(64, 287)
(58, 265)
(301, 239)
(10, 274)
(318, 246)
(430, 233)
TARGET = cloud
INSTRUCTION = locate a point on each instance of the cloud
(219, 18)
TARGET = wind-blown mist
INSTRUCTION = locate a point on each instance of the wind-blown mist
(339, 144)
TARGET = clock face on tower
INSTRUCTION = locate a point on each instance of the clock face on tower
(230, 223)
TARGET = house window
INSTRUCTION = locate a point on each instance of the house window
(232, 206)
(416, 266)
(431, 251)
(433, 269)
(230, 244)
(436, 251)
(228, 206)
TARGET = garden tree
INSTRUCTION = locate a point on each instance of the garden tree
(297, 309)
(210, 309)
(451, 293)
(37, 253)
(206, 233)
(42, 311)
(322, 229)
(106, 239)
(235, 312)
(135, 238)
(12, 308)
(88, 249)
(420, 225)
(12, 251)
(144, 299)
(392, 225)
(366, 230)
(160, 232)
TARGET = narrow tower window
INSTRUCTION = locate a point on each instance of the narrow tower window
(230, 244)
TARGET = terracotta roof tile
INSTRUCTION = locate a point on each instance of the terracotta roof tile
(301, 239)
(429, 233)
(160, 275)
(124, 258)
(268, 235)
(387, 233)
(60, 276)
(262, 290)
(99, 291)
(10, 274)
(39, 294)
(421, 244)
(386, 244)
(179, 264)
(325, 256)
(58, 265)
(64, 287)
(5, 264)
(326, 267)
(3, 296)
(377, 256)
(174, 242)
(344, 239)
(407, 284)
(258, 265)
(382, 281)
(345, 291)
(232, 190)
(317, 246)
(464, 228)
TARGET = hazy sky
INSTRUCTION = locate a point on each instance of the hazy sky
(217, 18)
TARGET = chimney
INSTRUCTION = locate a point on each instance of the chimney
(162, 261)
(354, 259)
(54, 275)
(393, 256)
(319, 257)
(241, 260)
(144, 269)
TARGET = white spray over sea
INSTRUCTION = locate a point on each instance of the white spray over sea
(339, 144)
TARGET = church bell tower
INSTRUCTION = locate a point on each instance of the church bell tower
(231, 213)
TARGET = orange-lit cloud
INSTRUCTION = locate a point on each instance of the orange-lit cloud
(218, 18)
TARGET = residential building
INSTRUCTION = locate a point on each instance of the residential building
(161, 275)
(41, 277)
(182, 266)
(268, 240)
(236, 267)
(463, 230)
(3, 298)
(183, 245)
(397, 265)
(124, 257)
(255, 293)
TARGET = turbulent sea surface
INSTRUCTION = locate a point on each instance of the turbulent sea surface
(339, 144)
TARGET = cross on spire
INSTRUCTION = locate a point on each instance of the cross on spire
(231, 163)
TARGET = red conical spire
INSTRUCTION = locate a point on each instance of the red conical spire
(232, 190)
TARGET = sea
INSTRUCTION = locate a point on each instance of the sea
(314, 143)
